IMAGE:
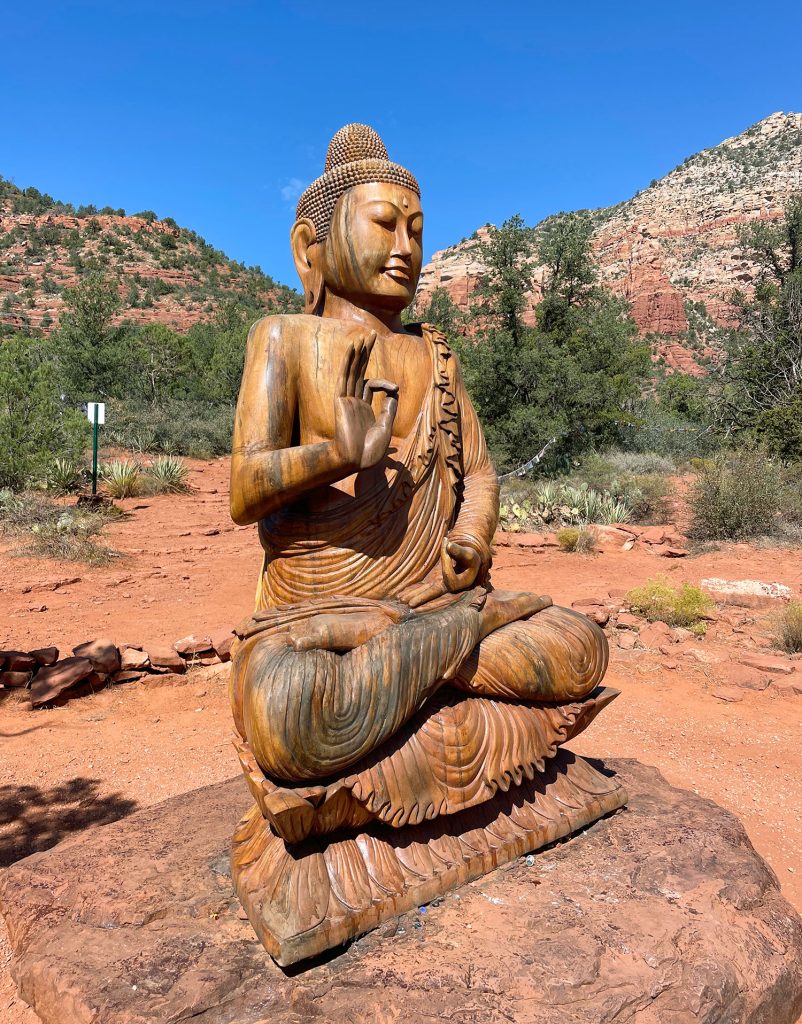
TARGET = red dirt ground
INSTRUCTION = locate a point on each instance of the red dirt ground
(186, 568)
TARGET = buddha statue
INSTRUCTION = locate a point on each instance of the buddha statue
(399, 720)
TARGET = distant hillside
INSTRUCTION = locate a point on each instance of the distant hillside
(672, 249)
(166, 273)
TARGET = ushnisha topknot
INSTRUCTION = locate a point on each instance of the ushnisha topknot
(357, 156)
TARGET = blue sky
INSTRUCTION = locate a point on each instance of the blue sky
(216, 112)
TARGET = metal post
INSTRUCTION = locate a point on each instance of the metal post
(94, 450)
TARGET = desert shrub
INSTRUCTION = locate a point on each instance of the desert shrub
(535, 504)
(174, 427)
(123, 478)
(71, 539)
(630, 463)
(736, 496)
(577, 538)
(66, 475)
(50, 530)
(21, 512)
(658, 601)
(167, 474)
(788, 628)
(637, 480)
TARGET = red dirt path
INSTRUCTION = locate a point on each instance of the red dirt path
(186, 568)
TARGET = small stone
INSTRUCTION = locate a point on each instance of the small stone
(766, 663)
(191, 645)
(126, 676)
(222, 642)
(166, 658)
(653, 634)
(727, 693)
(626, 620)
(626, 640)
(17, 661)
(744, 676)
(15, 680)
(51, 682)
(46, 655)
(102, 653)
(133, 659)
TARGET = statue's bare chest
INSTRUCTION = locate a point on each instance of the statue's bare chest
(404, 360)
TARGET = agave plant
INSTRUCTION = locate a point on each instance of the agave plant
(65, 475)
(169, 475)
(122, 477)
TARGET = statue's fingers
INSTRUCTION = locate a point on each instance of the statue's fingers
(449, 574)
(345, 369)
(363, 365)
(378, 384)
(353, 370)
(462, 553)
(387, 414)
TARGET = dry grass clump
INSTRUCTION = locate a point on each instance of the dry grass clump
(788, 628)
(578, 539)
(50, 530)
(658, 601)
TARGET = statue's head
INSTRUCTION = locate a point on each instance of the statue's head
(359, 227)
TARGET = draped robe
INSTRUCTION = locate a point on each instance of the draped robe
(408, 709)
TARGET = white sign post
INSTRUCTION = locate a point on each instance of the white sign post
(96, 414)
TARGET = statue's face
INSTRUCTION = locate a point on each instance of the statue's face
(372, 254)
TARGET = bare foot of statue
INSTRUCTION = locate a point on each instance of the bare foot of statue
(503, 606)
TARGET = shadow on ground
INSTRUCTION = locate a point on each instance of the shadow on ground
(34, 819)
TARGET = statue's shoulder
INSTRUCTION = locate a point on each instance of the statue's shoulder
(285, 335)
(276, 325)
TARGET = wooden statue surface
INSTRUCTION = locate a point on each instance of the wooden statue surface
(398, 719)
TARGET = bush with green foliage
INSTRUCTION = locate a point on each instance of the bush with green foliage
(66, 475)
(762, 393)
(736, 496)
(532, 505)
(575, 375)
(658, 601)
(36, 426)
(639, 481)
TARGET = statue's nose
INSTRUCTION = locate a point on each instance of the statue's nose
(402, 246)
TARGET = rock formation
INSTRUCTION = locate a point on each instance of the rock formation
(661, 913)
(672, 249)
(166, 274)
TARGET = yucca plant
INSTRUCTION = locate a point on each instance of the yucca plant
(122, 477)
(65, 475)
(169, 475)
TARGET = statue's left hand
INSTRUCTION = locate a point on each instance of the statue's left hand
(461, 563)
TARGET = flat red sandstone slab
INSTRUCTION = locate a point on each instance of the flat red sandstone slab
(663, 912)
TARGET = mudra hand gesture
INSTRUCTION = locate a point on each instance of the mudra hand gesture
(360, 437)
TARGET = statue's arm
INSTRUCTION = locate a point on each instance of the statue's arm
(267, 470)
(477, 516)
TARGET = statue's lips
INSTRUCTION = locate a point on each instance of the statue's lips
(397, 273)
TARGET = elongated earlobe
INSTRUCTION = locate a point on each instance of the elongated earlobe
(307, 253)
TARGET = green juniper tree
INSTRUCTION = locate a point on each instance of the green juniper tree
(762, 378)
(576, 373)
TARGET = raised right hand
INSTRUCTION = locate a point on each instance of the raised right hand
(360, 437)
